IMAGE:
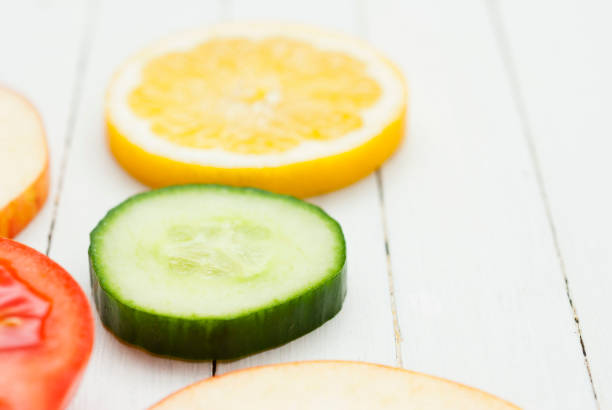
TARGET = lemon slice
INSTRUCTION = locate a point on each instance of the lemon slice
(286, 108)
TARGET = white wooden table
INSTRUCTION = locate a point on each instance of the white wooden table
(481, 252)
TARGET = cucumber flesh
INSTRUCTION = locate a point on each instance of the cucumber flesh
(208, 271)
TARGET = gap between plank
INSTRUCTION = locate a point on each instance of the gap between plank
(362, 28)
(509, 64)
(383, 216)
(83, 59)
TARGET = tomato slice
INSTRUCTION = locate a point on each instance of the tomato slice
(21, 313)
(46, 330)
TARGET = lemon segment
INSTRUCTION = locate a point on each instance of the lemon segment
(284, 108)
(279, 93)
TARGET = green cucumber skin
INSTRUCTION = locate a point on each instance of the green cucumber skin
(222, 338)
(210, 339)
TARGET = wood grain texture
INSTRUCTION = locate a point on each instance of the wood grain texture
(562, 59)
(480, 295)
(363, 330)
(35, 49)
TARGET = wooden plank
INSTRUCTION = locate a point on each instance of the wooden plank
(560, 56)
(363, 329)
(118, 376)
(31, 43)
(481, 297)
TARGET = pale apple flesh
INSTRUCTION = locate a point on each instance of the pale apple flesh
(329, 385)
(24, 163)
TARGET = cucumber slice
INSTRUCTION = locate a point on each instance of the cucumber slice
(216, 272)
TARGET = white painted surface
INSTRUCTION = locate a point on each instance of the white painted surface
(479, 287)
(565, 81)
(480, 296)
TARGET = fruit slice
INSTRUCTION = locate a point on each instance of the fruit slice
(287, 108)
(24, 164)
(216, 272)
(46, 330)
(329, 385)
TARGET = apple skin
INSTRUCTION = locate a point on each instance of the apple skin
(18, 213)
(401, 389)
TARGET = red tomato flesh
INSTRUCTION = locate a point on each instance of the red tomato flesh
(21, 313)
(46, 330)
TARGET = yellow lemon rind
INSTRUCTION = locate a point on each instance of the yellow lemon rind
(301, 179)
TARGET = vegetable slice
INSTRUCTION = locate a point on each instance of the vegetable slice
(216, 272)
(46, 330)
(24, 164)
(329, 385)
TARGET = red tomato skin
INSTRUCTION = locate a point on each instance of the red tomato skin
(45, 376)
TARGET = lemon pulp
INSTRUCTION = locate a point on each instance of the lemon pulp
(253, 96)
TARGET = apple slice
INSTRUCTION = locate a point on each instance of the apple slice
(329, 385)
(24, 163)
